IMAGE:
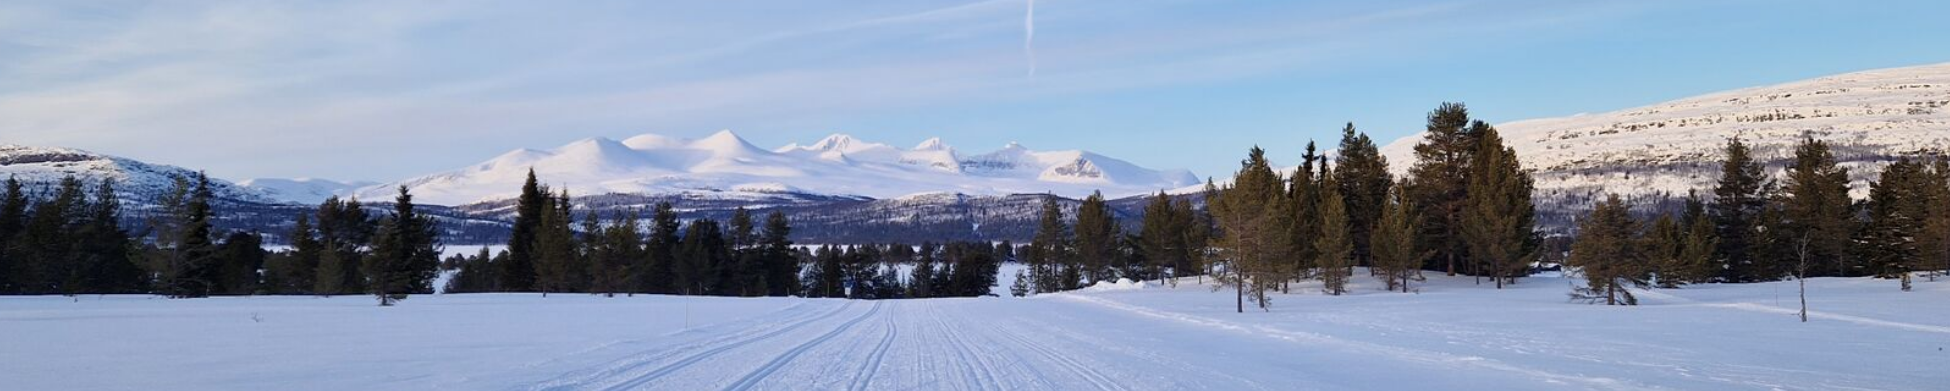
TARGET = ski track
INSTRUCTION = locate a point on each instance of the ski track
(752, 379)
(1757, 307)
(1401, 353)
(708, 349)
(865, 376)
(621, 367)
(1096, 379)
(983, 374)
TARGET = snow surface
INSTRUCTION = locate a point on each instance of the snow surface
(307, 191)
(837, 165)
(1864, 334)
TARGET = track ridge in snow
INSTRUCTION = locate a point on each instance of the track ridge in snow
(865, 376)
(752, 379)
(983, 372)
(1088, 374)
(702, 350)
(1397, 352)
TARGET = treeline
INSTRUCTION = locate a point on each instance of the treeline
(1760, 228)
(551, 250)
(70, 242)
(1464, 208)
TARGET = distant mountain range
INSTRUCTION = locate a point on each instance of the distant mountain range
(845, 190)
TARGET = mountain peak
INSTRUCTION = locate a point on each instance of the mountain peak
(836, 141)
(931, 144)
(723, 141)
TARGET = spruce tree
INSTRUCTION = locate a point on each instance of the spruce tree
(1663, 247)
(1607, 253)
(44, 250)
(700, 257)
(1695, 262)
(1303, 191)
(555, 255)
(346, 231)
(1898, 204)
(747, 275)
(1737, 205)
(1497, 215)
(1817, 206)
(1364, 179)
(405, 256)
(240, 259)
(1336, 244)
(1050, 247)
(192, 268)
(13, 218)
(1396, 254)
(618, 246)
(781, 262)
(1440, 179)
(518, 273)
(658, 269)
(1161, 237)
(1097, 235)
(305, 253)
(1933, 248)
(106, 247)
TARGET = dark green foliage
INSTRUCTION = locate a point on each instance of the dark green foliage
(1899, 203)
(657, 272)
(1334, 249)
(1397, 259)
(1049, 251)
(473, 274)
(700, 257)
(13, 218)
(239, 260)
(44, 250)
(612, 250)
(345, 230)
(557, 258)
(405, 253)
(191, 268)
(1364, 181)
(1439, 182)
(1608, 254)
(1303, 190)
(1816, 206)
(518, 273)
(1256, 221)
(781, 261)
(1498, 218)
(1096, 239)
(1738, 202)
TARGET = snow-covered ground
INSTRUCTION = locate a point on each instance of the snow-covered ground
(1864, 334)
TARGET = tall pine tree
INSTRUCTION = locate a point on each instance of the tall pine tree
(1498, 218)
(1737, 204)
(1817, 206)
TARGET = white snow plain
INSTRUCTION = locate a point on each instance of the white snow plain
(1864, 334)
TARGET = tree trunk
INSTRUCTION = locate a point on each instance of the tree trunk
(1452, 264)
(1239, 287)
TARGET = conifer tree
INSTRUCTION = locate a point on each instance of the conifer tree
(1738, 202)
(1817, 206)
(1255, 220)
(922, 276)
(556, 258)
(475, 273)
(346, 231)
(106, 248)
(1607, 254)
(1198, 236)
(13, 218)
(1933, 248)
(1364, 179)
(1097, 235)
(1898, 204)
(240, 258)
(192, 268)
(518, 273)
(1695, 260)
(616, 247)
(1050, 247)
(747, 274)
(44, 249)
(658, 270)
(1336, 244)
(700, 256)
(1440, 181)
(304, 257)
(1497, 215)
(1161, 236)
(1303, 190)
(1663, 247)
(1396, 254)
(405, 254)
(781, 262)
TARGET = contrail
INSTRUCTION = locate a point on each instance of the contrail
(1029, 37)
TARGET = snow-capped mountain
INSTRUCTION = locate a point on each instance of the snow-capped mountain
(725, 165)
(1669, 148)
(302, 190)
(137, 183)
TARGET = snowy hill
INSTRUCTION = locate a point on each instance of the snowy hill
(839, 165)
(137, 183)
(302, 190)
(1668, 148)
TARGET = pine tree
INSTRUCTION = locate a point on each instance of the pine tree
(106, 248)
(240, 258)
(1097, 237)
(1933, 248)
(555, 255)
(1607, 254)
(1050, 247)
(1303, 190)
(781, 262)
(1396, 254)
(1336, 244)
(44, 250)
(1364, 179)
(192, 268)
(1817, 206)
(1497, 215)
(747, 275)
(1161, 237)
(1898, 204)
(474, 274)
(1695, 260)
(700, 256)
(1440, 181)
(1198, 236)
(616, 247)
(658, 269)
(519, 272)
(1737, 205)
(304, 257)
(345, 230)
(1255, 222)
(1663, 247)
(405, 253)
(13, 218)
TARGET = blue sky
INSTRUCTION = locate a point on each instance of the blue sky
(384, 90)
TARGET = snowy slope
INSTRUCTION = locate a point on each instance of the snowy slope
(307, 191)
(1668, 148)
(838, 165)
(138, 183)
(1864, 334)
